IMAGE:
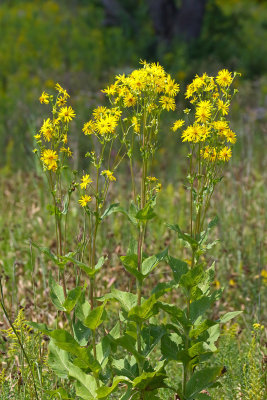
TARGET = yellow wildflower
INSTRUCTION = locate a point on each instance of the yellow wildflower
(99, 112)
(84, 200)
(171, 87)
(49, 158)
(109, 175)
(264, 276)
(224, 78)
(61, 101)
(66, 150)
(230, 136)
(177, 125)
(168, 103)
(129, 100)
(136, 125)
(225, 154)
(47, 129)
(85, 181)
(152, 179)
(67, 114)
(88, 128)
(223, 107)
(203, 111)
(44, 98)
(110, 90)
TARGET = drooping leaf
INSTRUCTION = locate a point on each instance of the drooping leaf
(201, 380)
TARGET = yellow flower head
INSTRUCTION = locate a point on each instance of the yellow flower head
(171, 87)
(225, 154)
(136, 124)
(223, 107)
(89, 128)
(66, 114)
(224, 78)
(61, 101)
(44, 98)
(129, 100)
(109, 175)
(84, 200)
(203, 111)
(168, 103)
(47, 129)
(49, 158)
(99, 112)
(177, 125)
(66, 150)
(85, 181)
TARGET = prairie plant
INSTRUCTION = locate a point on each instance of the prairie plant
(101, 362)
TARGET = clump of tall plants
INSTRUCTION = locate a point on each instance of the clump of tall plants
(129, 359)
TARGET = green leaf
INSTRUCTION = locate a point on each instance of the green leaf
(95, 317)
(81, 333)
(199, 307)
(192, 277)
(86, 385)
(58, 360)
(91, 272)
(65, 341)
(199, 348)
(46, 251)
(125, 367)
(127, 300)
(228, 316)
(115, 207)
(62, 394)
(151, 380)
(170, 348)
(130, 263)
(201, 380)
(202, 327)
(146, 213)
(175, 312)
(145, 311)
(178, 267)
(128, 343)
(72, 298)
(181, 235)
(151, 263)
(151, 335)
(39, 327)
(82, 307)
(105, 391)
(56, 294)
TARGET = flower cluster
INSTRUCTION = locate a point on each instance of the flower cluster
(52, 138)
(211, 98)
(103, 124)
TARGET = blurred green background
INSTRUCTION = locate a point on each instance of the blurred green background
(82, 43)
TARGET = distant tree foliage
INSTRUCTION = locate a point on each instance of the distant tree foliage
(79, 43)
